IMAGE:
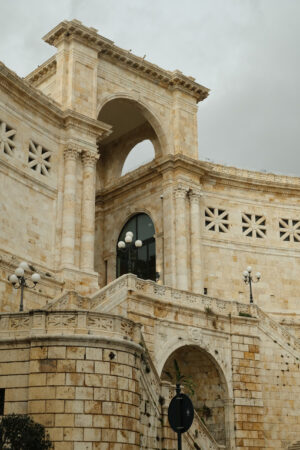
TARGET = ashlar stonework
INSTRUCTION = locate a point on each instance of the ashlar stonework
(88, 356)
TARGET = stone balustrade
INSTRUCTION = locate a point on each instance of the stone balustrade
(198, 434)
(40, 323)
(114, 293)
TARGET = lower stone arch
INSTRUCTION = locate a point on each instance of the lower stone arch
(212, 399)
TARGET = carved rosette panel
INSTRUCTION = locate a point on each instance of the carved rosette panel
(176, 295)
(243, 308)
(139, 285)
(19, 323)
(101, 323)
(192, 299)
(127, 328)
(62, 320)
(289, 230)
(216, 219)
(7, 139)
(254, 225)
(159, 290)
(39, 159)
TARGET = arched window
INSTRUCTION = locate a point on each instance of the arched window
(142, 259)
(140, 154)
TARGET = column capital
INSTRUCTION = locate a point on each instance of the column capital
(181, 191)
(71, 152)
(89, 159)
(195, 195)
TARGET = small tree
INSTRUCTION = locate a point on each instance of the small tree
(20, 432)
(181, 379)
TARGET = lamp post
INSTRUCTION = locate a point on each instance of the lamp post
(19, 281)
(248, 279)
(128, 246)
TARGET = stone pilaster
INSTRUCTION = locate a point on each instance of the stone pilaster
(89, 161)
(195, 253)
(68, 220)
(168, 218)
(181, 238)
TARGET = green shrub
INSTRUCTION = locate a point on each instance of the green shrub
(20, 432)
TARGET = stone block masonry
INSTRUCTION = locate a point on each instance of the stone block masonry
(84, 390)
(247, 389)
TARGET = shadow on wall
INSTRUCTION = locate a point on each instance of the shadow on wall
(141, 154)
(210, 389)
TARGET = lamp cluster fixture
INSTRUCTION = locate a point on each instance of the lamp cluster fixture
(19, 281)
(128, 240)
(249, 279)
(128, 246)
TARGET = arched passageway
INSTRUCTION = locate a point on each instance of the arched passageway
(142, 260)
(210, 389)
(131, 123)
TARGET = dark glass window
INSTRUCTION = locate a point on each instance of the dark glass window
(2, 399)
(142, 260)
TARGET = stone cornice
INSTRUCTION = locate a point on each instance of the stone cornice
(42, 72)
(69, 30)
(72, 119)
(24, 93)
(206, 171)
(267, 181)
(231, 175)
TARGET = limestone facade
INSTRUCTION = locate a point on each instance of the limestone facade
(87, 357)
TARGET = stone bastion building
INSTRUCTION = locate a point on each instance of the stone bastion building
(87, 356)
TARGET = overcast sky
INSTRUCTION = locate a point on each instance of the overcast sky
(245, 51)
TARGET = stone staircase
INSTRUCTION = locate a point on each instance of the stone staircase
(198, 437)
(111, 296)
(295, 446)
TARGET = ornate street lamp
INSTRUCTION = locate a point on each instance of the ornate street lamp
(248, 279)
(19, 281)
(128, 247)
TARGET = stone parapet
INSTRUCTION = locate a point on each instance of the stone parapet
(39, 324)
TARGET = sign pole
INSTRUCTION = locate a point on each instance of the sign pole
(179, 441)
(180, 414)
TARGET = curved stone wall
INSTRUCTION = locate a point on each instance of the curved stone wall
(82, 384)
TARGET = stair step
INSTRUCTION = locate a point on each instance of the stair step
(295, 446)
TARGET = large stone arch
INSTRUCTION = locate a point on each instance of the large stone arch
(146, 110)
(139, 123)
(218, 371)
(174, 343)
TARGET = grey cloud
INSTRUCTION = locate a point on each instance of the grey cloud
(246, 52)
